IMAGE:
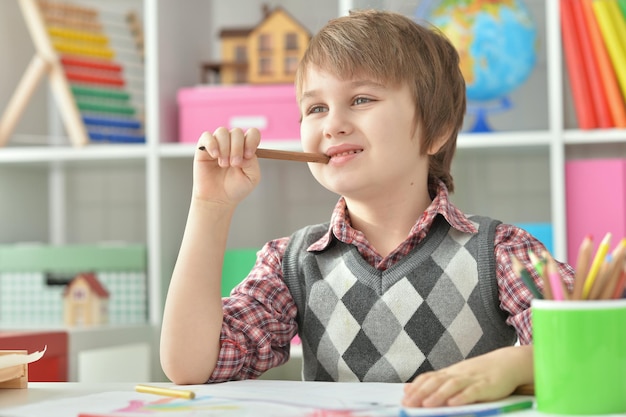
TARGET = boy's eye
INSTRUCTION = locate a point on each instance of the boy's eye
(361, 100)
(317, 109)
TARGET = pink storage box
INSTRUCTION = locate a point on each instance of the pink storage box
(270, 108)
(596, 202)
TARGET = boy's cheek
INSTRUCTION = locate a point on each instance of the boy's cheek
(308, 138)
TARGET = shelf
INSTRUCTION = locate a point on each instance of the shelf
(594, 137)
(105, 152)
(504, 139)
(95, 152)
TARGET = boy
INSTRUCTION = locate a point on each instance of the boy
(400, 286)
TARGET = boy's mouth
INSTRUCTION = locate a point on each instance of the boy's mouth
(345, 153)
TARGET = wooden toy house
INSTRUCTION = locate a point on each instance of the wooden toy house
(85, 301)
(265, 54)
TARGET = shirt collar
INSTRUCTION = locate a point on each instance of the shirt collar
(340, 226)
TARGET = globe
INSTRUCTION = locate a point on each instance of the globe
(497, 45)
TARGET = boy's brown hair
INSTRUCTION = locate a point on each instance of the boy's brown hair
(392, 48)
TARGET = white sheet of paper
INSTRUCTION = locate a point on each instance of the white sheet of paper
(6, 361)
(249, 398)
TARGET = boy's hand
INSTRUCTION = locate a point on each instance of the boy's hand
(227, 170)
(489, 377)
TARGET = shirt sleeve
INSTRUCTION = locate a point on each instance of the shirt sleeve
(259, 320)
(515, 297)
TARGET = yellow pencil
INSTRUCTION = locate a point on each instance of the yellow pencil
(167, 392)
(603, 249)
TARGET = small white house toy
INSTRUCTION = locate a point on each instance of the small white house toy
(85, 301)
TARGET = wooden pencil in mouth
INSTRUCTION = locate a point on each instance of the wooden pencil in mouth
(288, 155)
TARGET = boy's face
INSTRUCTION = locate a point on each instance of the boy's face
(368, 130)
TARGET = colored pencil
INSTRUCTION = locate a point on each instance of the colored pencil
(614, 272)
(288, 155)
(598, 260)
(618, 292)
(582, 266)
(556, 284)
(601, 280)
(523, 273)
(292, 156)
(167, 392)
(538, 264)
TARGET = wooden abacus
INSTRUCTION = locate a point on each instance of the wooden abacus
(87, 75)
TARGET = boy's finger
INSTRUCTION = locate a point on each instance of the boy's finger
(222, 137)
(447, 389)
(252, 141)
(208, 145)
(237, 142)
(421, 388)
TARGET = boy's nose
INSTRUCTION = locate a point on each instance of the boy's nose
(336, 124)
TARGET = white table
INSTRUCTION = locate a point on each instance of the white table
(44, 391)
(40, 393)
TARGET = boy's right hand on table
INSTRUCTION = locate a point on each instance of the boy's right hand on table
(488, 377)
(227, 170)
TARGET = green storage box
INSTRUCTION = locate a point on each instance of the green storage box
(237, 266)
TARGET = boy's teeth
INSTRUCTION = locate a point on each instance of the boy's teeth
(346, 153)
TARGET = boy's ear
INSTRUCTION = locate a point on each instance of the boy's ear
(438, 143)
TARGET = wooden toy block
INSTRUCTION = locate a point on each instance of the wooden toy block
(14, 376)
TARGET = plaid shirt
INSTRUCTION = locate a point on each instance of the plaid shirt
(260, 315)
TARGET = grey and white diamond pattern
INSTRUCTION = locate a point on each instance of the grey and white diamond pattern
(418, 323)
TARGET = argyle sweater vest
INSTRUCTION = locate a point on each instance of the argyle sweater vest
(435, 307)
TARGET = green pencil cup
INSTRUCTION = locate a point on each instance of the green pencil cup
(580, 356)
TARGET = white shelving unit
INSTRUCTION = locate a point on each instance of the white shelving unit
(548, 145)
(179, 36)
